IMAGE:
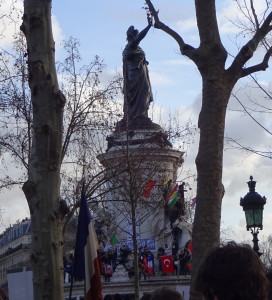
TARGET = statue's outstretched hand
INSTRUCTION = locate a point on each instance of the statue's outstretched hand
(149, 19)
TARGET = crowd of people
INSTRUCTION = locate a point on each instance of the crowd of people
(68, 267)
(229, 272)
(146, 261)
(110, 260)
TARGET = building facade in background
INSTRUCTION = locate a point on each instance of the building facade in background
(15, 248)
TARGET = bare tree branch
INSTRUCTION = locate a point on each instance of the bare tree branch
(260, 67)
(185, 49)
(250, 115)
(239, 146)
(268, 95)
(254, 15)
(247, 51)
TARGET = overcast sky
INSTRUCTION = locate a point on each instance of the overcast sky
(101, 28)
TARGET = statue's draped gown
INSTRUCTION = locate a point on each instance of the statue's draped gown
(137, 87)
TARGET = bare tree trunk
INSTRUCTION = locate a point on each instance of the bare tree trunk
(218, 82)
(135, 251)
(43, 186)
(209, 163)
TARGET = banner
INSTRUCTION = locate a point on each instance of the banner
(167, 264)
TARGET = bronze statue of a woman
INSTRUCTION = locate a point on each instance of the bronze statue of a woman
(137, 87)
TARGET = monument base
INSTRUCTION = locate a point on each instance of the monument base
(137, 123)
(140, 131)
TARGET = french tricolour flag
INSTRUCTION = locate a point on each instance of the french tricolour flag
(86, 262)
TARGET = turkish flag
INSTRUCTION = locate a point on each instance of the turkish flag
(167, 264)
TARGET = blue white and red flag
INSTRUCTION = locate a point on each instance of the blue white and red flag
(86, 261)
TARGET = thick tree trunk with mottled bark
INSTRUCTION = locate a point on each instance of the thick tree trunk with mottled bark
(209, 163)
(43, 186)
(218, 82)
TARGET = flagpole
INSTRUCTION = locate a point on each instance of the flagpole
(73, 269)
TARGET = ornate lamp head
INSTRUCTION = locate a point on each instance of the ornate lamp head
(253, 205)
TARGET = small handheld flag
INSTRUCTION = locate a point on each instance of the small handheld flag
(113, 240)
(173, 197)
(148, 188)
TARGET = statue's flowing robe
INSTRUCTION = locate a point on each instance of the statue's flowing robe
(137, 87)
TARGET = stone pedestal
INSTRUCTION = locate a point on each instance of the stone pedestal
(137, 155)
(133, 158)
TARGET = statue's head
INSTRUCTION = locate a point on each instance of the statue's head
(131, 32)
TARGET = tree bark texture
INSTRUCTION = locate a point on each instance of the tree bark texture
(210, 58)
(43, 186)
(218, 82)
(217, 85)
(209, 163)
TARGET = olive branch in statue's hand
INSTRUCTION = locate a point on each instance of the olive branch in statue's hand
(149, 19)
(149, 16)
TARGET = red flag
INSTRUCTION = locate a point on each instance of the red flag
(189, 265)
(149, 267)
(167, 264)
(86, 262)
(148, 188)
(190, 247)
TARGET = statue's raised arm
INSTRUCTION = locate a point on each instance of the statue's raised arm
(140, 35)
(137, 87)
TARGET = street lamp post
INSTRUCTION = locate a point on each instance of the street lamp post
(253, 205)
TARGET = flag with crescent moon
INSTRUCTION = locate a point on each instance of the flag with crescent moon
(167, 264)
